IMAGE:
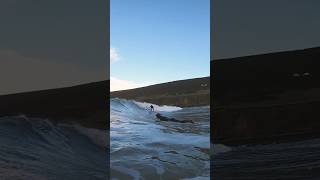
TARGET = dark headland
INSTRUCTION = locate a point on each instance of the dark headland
(85, 104)
(268, 97)
(183, 93)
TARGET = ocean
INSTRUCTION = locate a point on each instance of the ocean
(142, 147)
(294, 160)
(36, 149)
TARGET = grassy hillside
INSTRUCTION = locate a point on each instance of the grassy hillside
(264, 77)
(183, 93)
(266, 97)
(86, 104)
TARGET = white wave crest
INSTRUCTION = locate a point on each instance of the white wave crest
(164, 108)
(219, 148)
(130, 172)
(97, 136)
(198, 178)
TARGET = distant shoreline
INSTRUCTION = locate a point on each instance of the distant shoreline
(182, 93)
(85, 104)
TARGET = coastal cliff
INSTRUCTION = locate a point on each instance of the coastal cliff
(85, 104)
(268, 97)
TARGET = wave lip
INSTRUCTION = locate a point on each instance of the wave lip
(219, 148)
(164, 108)
(61, 151)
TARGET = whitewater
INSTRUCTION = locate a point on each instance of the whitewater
(142, 147)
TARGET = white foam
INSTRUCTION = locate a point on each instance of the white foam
(198, 178)
(97, 136)
(159, 168)
(133, 173)
(219, 148)
(164, 108)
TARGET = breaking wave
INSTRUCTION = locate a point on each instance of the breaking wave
(32, 148)
(142, 147)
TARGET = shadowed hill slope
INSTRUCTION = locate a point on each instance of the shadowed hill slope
(183, 93)
(86, 104)
(266, 96)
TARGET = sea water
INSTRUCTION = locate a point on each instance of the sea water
(142, 147)
(35, 149)
(295, 159)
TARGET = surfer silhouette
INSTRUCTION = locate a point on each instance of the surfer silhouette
(151, 108)
(163, 118)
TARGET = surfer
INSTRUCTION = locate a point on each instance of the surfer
(163, 118)
(151, 108)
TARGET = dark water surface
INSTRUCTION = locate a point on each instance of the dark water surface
(34, 149)
(290, 160)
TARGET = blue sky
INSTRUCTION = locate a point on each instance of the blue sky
(155, 41)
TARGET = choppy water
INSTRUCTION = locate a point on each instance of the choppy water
(144, 148)
(34, 149)
(291, 160)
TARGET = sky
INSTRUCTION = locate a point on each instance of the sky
(158, 41)
(249, 27)
(52, 44)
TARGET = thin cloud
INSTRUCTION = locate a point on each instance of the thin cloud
(114, 55)
(120, 84)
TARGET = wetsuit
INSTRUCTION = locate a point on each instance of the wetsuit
(163, 118)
